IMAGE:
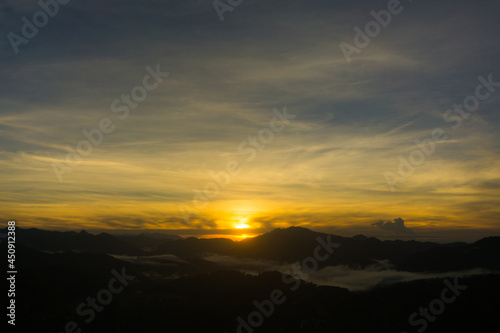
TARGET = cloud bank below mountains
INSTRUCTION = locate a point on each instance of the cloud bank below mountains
(379, 274)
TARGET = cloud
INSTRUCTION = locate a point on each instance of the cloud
(398, 226)
(379, 274)
(353, 121)
(354, 280)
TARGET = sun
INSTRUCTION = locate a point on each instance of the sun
(242, 223)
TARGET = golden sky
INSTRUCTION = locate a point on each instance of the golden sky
(324, 167)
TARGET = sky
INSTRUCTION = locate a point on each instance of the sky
(134, 115)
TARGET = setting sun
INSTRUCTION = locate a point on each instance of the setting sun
(242, 222)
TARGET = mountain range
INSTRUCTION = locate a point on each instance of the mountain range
(175, 286)
(280, 245)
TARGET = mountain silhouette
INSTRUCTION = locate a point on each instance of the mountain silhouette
(288, 245)
(178, 290)
(57, 241)
(484, 253)
(52, 285)
(295, 243)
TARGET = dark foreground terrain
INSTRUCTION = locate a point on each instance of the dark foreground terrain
(94, 292)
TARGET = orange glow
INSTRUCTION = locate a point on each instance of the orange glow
(233, 237)
(242, 237)
(242, 226)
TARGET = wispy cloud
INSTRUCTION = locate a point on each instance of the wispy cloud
(353, 121)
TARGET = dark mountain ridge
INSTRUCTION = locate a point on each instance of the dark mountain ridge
(57, 241)
(289, 245)
(52, 286)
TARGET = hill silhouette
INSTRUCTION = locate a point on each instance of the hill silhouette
(56, 241)
(51, 286)
(281, 245)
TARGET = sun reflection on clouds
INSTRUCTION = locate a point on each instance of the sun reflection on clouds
(325, 171)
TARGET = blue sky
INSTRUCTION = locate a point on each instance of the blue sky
(325, 170)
